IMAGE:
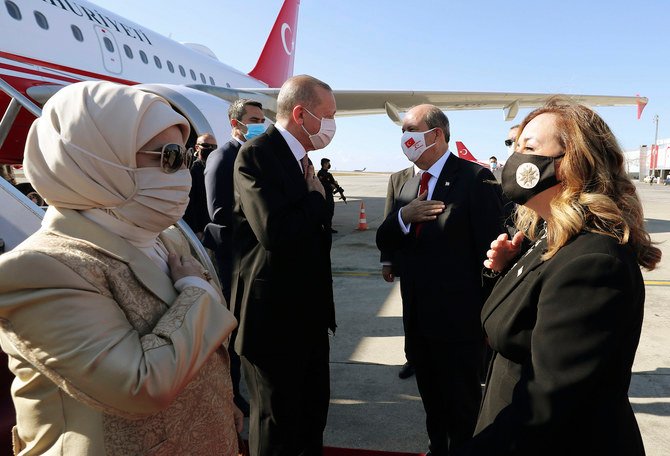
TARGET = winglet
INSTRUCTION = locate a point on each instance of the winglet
(275, 65)
(641, 103)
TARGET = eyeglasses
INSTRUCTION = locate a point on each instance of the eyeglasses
(509, 142)
(207, 146)
(173, 156)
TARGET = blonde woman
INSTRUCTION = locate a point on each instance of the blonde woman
(564, 321)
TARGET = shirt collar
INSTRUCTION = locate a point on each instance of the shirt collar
(293, 144)
(436, 169)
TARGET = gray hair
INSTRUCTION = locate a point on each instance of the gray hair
(298, 90)
(435, 118)
(238, 108)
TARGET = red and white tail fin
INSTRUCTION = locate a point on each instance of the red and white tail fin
(464, 153)
(275, 65)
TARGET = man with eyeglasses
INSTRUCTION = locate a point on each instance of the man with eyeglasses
(196, 215)
(511, 139)
(246, 122)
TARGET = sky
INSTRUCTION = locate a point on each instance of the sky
(572, 46)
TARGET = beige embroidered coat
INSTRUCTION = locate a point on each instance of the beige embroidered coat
(109, 359)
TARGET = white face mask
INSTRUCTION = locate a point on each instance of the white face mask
(510, 150)
(413, 144)
(325, 134)
(160, 200)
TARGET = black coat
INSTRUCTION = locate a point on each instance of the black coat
(441, 269)
(564, 332)
(282, 282)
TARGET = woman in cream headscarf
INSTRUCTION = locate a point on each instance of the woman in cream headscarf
(113, 333)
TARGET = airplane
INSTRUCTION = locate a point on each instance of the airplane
(47, 44)
(464, 153)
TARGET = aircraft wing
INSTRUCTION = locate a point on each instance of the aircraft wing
(392, 103)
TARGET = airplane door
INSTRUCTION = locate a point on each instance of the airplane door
(111, 57)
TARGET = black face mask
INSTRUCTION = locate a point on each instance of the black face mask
(525, 176)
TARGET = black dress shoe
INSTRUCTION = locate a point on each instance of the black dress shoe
(242, 404)
(333, 231)
(406, 371)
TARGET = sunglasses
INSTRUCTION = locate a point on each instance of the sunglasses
(509, 142)
(206, 146)
(173, 156)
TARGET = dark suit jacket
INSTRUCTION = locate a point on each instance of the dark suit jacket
(282, 282)
(441, 269)
(196, 215)
(220, 200)
(564, 332)
(396, 182)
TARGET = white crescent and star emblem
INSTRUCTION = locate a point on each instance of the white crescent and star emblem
(285, 27)
(527, 175)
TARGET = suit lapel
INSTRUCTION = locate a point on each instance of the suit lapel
(446, 179)
(281, 148)
(531, 260)
(71, 224)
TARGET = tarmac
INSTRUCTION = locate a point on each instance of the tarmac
(371, 408)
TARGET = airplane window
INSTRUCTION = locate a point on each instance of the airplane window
(182, 71)
(143, 56)
(13, 10)
(211, 81)
(193, 75)
(170, 66)
(76, 31)
(129, 52)
(202, 78)
(158, 63)
(108, 44)
(41, 20)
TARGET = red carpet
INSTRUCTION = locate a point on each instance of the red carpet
(355, 452)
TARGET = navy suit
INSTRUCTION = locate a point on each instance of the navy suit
(220, 200)
(442, 294)
(219, 235)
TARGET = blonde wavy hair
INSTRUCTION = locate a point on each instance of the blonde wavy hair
(596, 194)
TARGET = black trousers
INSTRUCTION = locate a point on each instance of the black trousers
(289, 396)
(448, 377)
(224, 265)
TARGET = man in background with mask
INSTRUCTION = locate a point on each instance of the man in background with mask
(282, 282)
(196, 215)
(441, 226)
(510, 142)
(495, 168)
(246, 121)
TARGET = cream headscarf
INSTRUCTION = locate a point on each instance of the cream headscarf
(108, 120)
(80, 154)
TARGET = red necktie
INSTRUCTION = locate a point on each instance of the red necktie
(425, 177)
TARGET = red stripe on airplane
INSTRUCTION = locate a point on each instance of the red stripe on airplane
(38, 73)
(55, 66)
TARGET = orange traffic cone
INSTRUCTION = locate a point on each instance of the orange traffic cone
(362, 221)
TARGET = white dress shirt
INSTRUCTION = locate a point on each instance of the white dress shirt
(434, 171)
(293, 144)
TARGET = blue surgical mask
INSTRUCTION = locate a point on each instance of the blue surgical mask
(254, 130)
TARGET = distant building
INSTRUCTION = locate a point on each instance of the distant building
(649, 160)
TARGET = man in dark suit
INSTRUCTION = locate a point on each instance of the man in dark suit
(196, 215)
(246, 117)
(282, 282)
(390, 266)
(441, 237)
